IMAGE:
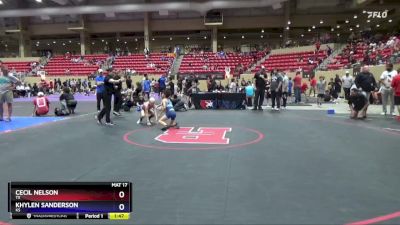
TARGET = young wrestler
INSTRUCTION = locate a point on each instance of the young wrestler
(170, 114)
(147, 111)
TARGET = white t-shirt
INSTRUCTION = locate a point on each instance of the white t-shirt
(387, 78)
(347, 81)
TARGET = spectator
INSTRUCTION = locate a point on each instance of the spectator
(99, 89)
(276, 90)
(249, 89)
(232, 86)
(41, 105)
(347, 82)
(396, 89)
(290, 88)
(162, 83)
(313, 84)
(386, 88)
(338, 86)
(321, 86)
(297, 87)
(117, 95)
(7, 83)
(146, 86)
(285, 90)
(366, 81)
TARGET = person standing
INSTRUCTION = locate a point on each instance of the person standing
(386, 89)
(321, 86)
(347, 82)
(396, 89)
(366, 81)
(297, 87)
(7, 83)
(338, 86)
(99, 89)
(285, 90)
(162, 84)
(260, 92)
(146, 86)
(109, 83)
(313, 84)
(276, 90)
(117, 95)
(128, 82)
(249, 89)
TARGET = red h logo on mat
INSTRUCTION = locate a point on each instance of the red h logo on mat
(203, 135)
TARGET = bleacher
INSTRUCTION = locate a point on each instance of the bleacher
(19, 66)
(293, 61)
(155, 63)
(359, 53)
(58, 65)
(211, 62)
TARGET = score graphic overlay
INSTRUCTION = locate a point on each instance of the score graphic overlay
(70, 200)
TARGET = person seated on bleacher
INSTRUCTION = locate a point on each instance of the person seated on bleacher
(41, 105)
(67, 101)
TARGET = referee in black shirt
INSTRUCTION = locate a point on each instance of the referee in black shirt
(117, 95)
(109, 89)
(260, 92)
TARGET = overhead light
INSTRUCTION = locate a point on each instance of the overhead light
(39, 1)
(262, 36)
(125, 42)
(337, 26)
(1, 2)
(288, 22)
(38, 42)
(355, 16)
(332, 29)
(224, 37)
(102, 40)
(70, 41)
(63, 44)
(351, 29)
(6, 45)
(117, 40)
(137, 39)
(390, 21)
(170, 38)
(54, 42)
(188, 38)
(280, 35)
(262, 31)
(48, 44)
(151, 39)
(347, 21)
(378, 25)
(302, 35)
(321, 21)
(313, 27)
(106, 42)
(338, 34)
(287, 28)
(205, 37)
(79, 43)
(364, 11)
(242, 37)
(358, 25)
(92, 43)
(368, 21)
(309, 30)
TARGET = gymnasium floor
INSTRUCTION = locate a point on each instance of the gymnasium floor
(293, 167)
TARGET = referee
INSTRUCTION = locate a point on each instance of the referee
(109, 89)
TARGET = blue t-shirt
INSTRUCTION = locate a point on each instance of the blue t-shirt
(290, 85)
(100, 88)
(146, 85)
(161, 81)
(249, 91)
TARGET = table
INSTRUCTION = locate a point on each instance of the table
(219, 100)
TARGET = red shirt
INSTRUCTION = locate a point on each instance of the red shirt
(297, 81)
(42, 105)
(313, 82)
(304, 87)
(396, 85)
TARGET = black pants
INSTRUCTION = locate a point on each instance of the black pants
(99, 98)
(276, 97)
(117, 101)
(249, 101)
(259, 98)
(284, 98)
(346, 93)
(106, 107)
